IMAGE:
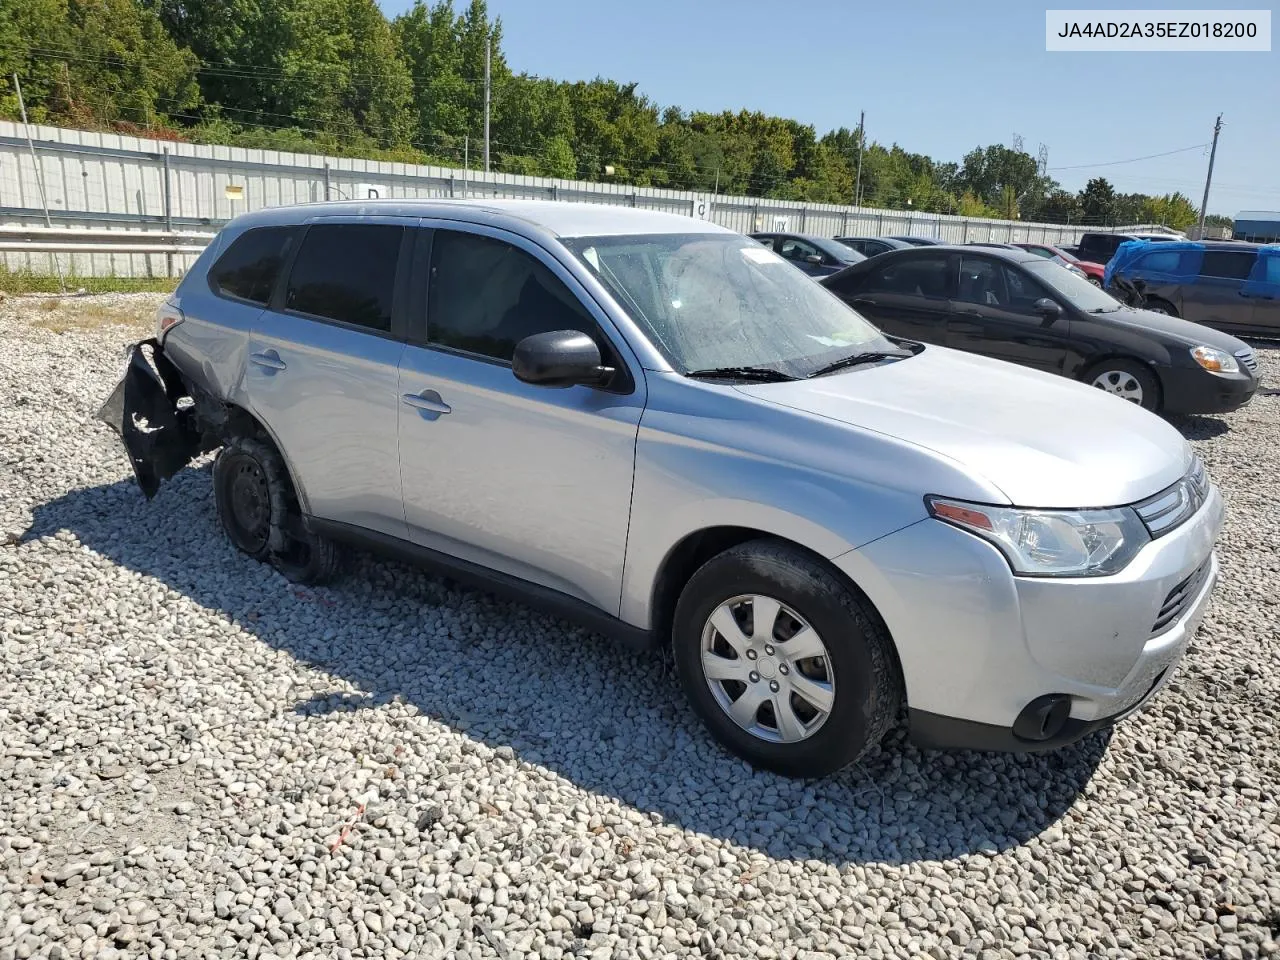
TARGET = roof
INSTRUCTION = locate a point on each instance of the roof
(557, 217)
(1017, 255)
(1265, 215)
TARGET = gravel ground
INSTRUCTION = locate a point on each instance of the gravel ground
(200, 759)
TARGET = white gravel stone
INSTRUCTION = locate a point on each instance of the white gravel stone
(203, 760)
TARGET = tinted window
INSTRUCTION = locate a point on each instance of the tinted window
(347, 272)
(794, 249)
(1166, 261)
(982, 281)
(916, 277)
(249, 268)
(1271, 270)
(486, 296)
(1227, 263)
(1099, 247)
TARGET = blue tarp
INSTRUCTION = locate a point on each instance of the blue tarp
(1131, 250)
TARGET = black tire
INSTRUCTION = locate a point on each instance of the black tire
(1096, 282)
(1117, 370)
(867, 684)
(259, 513)
(1156, 305)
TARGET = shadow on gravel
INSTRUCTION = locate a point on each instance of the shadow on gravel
(608, 720)
(1200, 427)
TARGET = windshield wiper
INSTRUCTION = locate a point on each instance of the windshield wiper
(763, 374)
(853, 360)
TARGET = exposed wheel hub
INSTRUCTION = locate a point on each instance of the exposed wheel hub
(251, 502)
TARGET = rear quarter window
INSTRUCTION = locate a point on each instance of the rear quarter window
(251, 265)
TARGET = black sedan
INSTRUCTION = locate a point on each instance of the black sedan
(1015, 306)
(816, 256)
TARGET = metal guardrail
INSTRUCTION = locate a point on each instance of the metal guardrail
(88, 240)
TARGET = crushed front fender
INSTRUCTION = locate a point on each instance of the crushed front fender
(160, 437)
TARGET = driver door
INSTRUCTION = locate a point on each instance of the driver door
(800, 253)
(532, 481)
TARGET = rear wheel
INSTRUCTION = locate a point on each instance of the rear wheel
(788, 667)
(1095, 281)
(1126, 379)
(259, 512)
(1156, 305)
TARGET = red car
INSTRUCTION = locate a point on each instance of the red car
(1091, 270)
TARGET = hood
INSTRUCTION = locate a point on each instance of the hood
(1192, 334)
(1043, 440)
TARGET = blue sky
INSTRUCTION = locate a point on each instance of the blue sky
(936, 77)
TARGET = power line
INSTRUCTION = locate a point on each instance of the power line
(1115, 163)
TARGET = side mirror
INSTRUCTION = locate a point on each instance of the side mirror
(1049, 309)
(814, 259)
(559, 358)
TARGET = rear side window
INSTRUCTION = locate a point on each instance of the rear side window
(1271, 270)
(347, 272)
(1099, 248)
(485, 296)
(1227, 264)
(249, 268)
(917, 277)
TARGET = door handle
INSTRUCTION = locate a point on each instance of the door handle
(428, 401)
(970, 312)
(863, 301)
(268, 359)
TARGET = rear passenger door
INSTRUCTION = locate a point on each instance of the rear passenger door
(324, 365)
(907, 296)
(1217, 297)
(531, 481)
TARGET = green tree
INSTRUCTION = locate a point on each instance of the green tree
(1098, 202)
(94, 61)
(1173, 210)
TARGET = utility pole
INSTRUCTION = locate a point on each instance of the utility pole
(466, 165)
(488, 44)
(1213, 151)
(862, 135)
(44, 200)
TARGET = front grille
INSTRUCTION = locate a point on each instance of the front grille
(1248, 360)
(1175, 604)
(1176, 504)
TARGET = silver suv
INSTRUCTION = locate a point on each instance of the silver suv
(660, 427)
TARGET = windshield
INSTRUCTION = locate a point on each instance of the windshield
(1073, 288)
(836, 249)
(712, 300)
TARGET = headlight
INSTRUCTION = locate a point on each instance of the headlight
(1215, 360)
(1051, 543)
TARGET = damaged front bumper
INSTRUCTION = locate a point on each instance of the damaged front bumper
(160, 435)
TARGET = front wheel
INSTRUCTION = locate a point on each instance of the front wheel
(1126, 379)
(788, 667)
(1160, 306)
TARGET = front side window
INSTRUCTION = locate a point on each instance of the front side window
(1227, 264)
(794, 249)
(347, 272)
(249, 268)
(713, 300)
(485, 296)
